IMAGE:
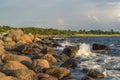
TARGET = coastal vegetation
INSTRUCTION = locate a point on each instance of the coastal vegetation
(55, 32)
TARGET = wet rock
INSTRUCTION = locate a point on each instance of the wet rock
(24, 74)
(18, 47)
(13, 57)
(70, 78)
(95, 74)
(39, 64)
(51, 51)
(61, 58)
(70, 63)
(13, 65)
(87, 78)
(70, 51)
(42, 75)
(29, 49)
(48, 50)
(58, 72)
(100, 47)
(50, 59)
(49, 78)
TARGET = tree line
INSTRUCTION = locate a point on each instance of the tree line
(51, 31)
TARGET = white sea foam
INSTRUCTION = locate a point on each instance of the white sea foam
(107, 64)
(85, 51)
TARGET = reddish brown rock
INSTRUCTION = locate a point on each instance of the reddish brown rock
(24, 74)
(51, 51)
(15, 34)
(7, 39)
(13, 65)
(50, 59)
(2, 50)
(2, 75)
(30, 50)
(49, 78)
(26, 38)
(42, 75)
(8, 78)
(39, 64)
(58, 72)
(95, 74)
(13, 57)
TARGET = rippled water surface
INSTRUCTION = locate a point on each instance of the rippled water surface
(107, 63)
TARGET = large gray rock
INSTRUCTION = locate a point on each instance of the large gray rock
(71, 51)
(100, 47)
(70, 63)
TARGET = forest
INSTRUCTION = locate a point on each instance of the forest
(51, 31)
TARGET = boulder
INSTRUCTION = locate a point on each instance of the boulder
(8, 78)
(70, 51)
(18, 47)
(24, 74)
(71, 78)
(62, 57)
(9, 45)
(39, 64)
(7, 39)
(1, 42)
(49, 78)
(50, 59)
(42, 75)
(26, 38)
(2, 75)
(13, 57)
(29, 49)
(87, 78)
(2, 50)
(70, 63)
(95, 74)
(15, 34)
(58, 72)
(100, 47)
(13, 65)
(51, 51)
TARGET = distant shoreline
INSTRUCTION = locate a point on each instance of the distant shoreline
(82, 35)
(77, 35)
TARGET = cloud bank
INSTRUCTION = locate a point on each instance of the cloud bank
(61, 14)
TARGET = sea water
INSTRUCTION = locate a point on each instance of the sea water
(107, 63)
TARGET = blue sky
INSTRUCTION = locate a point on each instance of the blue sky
(61, 14)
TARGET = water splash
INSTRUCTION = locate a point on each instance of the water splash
(85, 51)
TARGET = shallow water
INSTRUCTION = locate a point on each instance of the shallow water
(107, 63)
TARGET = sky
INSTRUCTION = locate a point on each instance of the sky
(61, 14)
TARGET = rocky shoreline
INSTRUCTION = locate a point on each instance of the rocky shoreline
(28, 57)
